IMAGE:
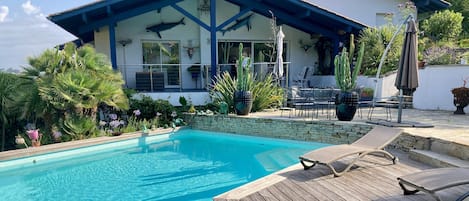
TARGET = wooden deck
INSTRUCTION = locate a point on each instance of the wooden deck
(374, 178)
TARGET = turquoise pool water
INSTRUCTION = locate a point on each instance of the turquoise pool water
(187, 165)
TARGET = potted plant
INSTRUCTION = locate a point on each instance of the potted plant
(243, 97)
(366, 94)
(347, 100)
(461, 98)
(35, 137)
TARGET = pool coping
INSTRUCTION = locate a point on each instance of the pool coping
(43, 149)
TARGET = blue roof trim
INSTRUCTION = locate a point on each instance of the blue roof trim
(430, 5)
(300, 14)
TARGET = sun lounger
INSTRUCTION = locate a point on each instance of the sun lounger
(433, 180)
(373, 142)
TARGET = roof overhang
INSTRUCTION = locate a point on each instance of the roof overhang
(424, 6)
(300, 14)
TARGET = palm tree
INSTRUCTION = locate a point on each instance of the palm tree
(76, 81)
(8, 93)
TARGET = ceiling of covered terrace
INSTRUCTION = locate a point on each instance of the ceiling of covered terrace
(84, 20)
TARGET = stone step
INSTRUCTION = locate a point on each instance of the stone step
(436, 159)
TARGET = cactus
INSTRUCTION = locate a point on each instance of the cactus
(244, 78)
(346, 80)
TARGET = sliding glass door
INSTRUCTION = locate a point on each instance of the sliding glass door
(158, 56)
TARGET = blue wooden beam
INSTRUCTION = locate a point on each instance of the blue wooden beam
(213, 38)
(84, 18)
(190, 16)
(235, 17)
(289, 19)
(112, 45)
(127, 14)
(84, 9)
(109, 10)
(326, 13)
(305, 14)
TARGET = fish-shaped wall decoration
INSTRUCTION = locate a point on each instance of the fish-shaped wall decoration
(239, 23)
(164, 26)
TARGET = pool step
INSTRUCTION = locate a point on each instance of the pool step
(437, 159)
(274, 160)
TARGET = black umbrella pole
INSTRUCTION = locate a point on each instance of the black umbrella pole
(399, 112)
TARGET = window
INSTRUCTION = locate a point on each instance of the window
(157, 57)
(262, 51)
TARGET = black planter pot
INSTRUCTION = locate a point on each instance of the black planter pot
(346, 105)
(242, 102)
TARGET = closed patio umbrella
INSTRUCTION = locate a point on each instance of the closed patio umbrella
(407, 73)
(278, 68)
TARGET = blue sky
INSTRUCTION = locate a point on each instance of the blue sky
(25, 30)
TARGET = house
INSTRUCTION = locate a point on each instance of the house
(172, 48)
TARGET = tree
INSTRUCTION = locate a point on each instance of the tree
(462, 6)
(375, 40)
(75, 82)
(443, 25)
(8, 92)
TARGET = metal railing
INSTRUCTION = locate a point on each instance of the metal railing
(185, 77)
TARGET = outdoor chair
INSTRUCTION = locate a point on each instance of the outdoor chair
(432, 180)
(373, 142)
(302, 77)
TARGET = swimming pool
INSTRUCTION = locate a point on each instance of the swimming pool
(187, 165)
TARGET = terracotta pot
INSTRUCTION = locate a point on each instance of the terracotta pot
(36, 143)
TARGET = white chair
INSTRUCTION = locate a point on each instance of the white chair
(302, 77)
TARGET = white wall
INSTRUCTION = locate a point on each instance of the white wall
(134, 29)
(436, 82)
(194, 98)
(363, 11)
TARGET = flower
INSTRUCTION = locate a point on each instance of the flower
(113, 116)
(115, 123)
(174, 114)
(137, 112)
(56, 134)
(33, 134)
(102, 123)
(158, 114)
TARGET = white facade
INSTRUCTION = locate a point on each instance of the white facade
(192, 34)
(368, 12)
(436, 82)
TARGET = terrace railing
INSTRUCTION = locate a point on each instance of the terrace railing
(185, 77)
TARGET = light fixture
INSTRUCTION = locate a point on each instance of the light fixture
(124, 42)
(204, 7)
(305, 46)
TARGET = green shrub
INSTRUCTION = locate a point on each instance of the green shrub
(165, 109)
(441, 53)
(375, 40)
(464, 43)
(443, 25)
(265, 92)
(79, 127)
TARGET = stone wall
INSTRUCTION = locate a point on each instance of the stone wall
(331, 132)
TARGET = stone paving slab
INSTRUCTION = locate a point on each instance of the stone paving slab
(447, 126)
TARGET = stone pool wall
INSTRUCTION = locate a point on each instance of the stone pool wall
(331, 132)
